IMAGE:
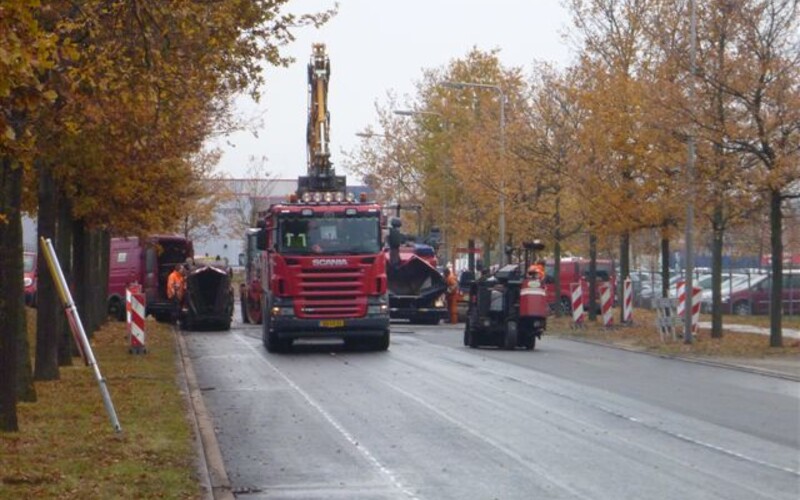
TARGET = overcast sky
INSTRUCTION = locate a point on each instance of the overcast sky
(378, 46)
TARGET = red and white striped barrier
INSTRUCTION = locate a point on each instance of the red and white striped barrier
(136, 324)
(697, 294)
(606, 302)
(627, 301)
(131, 288)
(680, 292)
(577, 304)
(696, 298)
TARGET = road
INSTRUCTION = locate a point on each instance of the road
(432, 419)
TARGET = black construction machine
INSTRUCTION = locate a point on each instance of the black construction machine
(509, 309)
(209, 296)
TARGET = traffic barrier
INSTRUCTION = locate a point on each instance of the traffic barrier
(680, 292)
(578, 314)
(696, 299)
(606, 302)
(627, 301)
(136, 325)
(131, 288)
(697, 294)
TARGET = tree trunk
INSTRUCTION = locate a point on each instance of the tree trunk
(664, 263)
(12, 291)
(592, 272)
(80, 264)
(66, 342)
(103, 268)
(48, 305)
(557, 275)
(718, 233)
(624, 270)
(776, 293)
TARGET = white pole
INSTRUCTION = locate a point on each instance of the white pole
(77, 327)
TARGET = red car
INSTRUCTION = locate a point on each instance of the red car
(29, 280)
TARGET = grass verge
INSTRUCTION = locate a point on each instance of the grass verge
(67, 448)
(643, 335)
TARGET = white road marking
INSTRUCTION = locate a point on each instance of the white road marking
(336, 425)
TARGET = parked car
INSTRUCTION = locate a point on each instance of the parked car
(29, 277)
(730, 282)
(753, 297)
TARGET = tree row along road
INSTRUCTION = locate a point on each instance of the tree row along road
(433, 419)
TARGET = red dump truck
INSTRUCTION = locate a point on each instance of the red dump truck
(315, 267)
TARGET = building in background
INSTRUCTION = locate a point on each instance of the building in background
(224, 237)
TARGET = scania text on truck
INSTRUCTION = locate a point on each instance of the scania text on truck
(315, 266)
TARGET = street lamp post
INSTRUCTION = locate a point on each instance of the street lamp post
(502, 197)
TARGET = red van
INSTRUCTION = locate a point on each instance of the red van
(576, 270)
(147, 263)
(29, 277)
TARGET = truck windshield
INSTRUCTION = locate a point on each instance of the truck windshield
(329, 234)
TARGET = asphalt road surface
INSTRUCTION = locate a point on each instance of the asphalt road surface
(432, 419)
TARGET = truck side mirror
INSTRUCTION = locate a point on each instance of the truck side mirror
(261, 239)
(241, 259)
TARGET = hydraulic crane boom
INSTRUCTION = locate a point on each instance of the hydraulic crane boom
(321, 176)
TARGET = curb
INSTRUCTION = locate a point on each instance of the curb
(214, 477)
(719, 364)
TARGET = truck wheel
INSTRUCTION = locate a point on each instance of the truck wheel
(531, 343)
(116, 310)
(470, 335)
(566, 305)
(382, 342)
(510, 338)
(272, 342)
(742, 309)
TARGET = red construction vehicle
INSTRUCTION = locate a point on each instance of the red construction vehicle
(509, 309)
(315, 266)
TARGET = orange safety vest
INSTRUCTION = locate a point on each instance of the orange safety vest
(175, 285)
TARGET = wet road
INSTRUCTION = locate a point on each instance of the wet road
(433, 419)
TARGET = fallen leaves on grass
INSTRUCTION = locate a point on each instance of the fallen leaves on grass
(67, 448)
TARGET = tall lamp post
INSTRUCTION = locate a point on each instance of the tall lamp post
(502, 197)
(409, 112)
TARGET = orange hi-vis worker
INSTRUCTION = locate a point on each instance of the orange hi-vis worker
(452, 295)
(176, 284)
(536, 271)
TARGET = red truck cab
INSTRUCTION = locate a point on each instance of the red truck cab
(317, 269)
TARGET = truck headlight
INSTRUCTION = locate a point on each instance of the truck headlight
(27, 281)
(282, 311)
(377, 309)
(440, 301)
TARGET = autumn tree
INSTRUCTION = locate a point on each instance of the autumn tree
(139, 87)
(29, 53)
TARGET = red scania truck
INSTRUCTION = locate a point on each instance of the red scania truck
(315, 266)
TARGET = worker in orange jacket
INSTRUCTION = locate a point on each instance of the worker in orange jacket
(176, 287)
(452, 295)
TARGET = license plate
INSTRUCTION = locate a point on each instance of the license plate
(331, 323)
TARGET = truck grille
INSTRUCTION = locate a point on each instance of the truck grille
(331, 293)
